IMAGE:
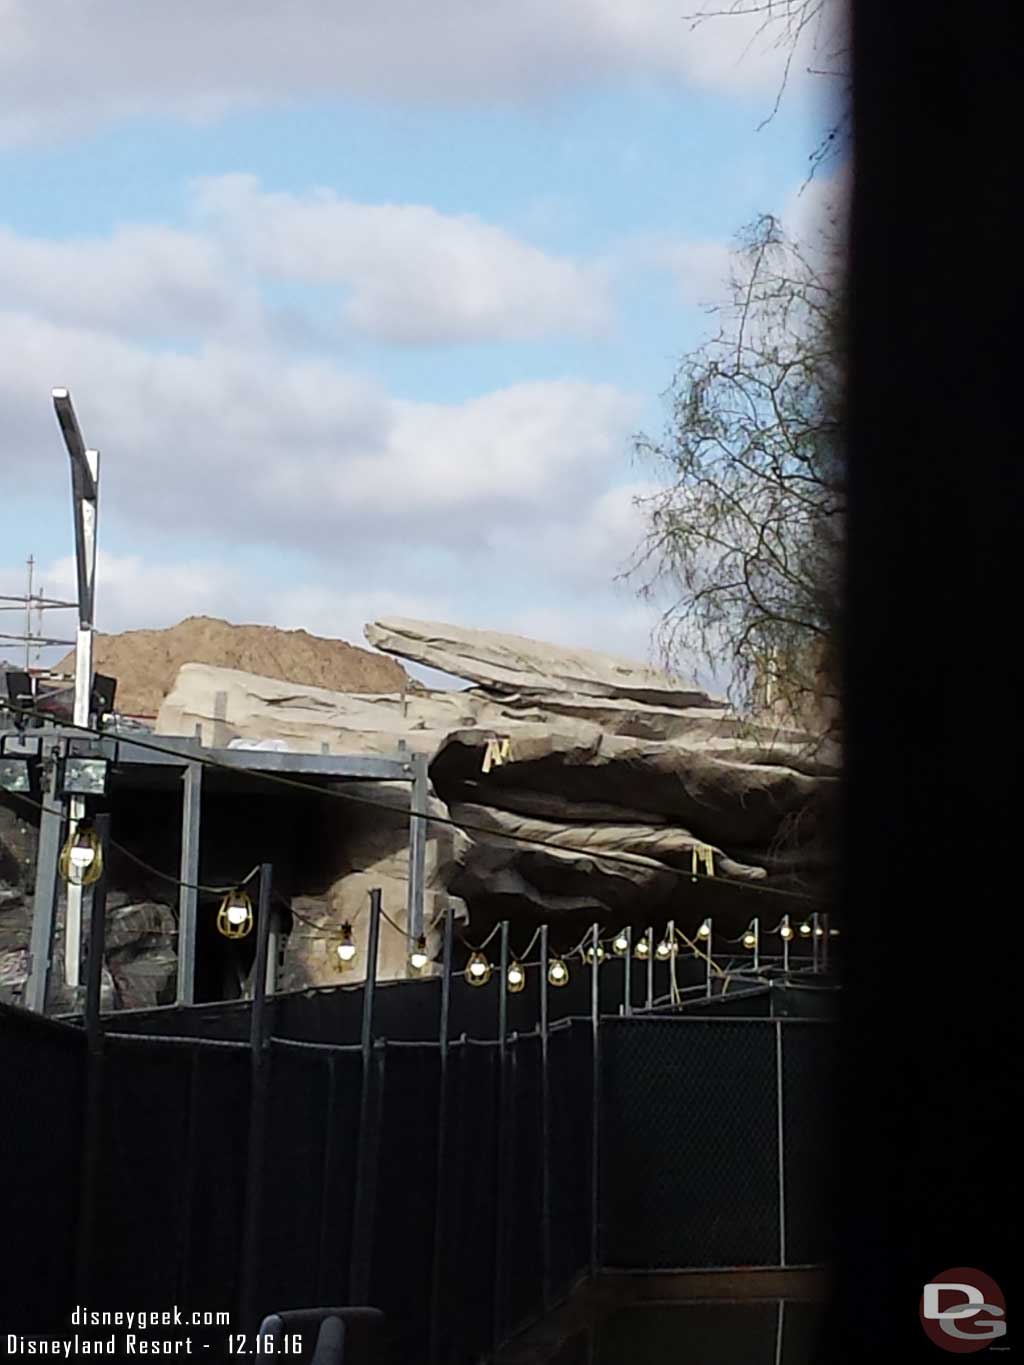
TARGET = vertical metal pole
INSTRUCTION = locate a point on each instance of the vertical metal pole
(188, 895)
(91, 1146)
(252, 1236)
(273, 951)
(785, 944)
(324, 1291)
(709, 941)
(627, 966)
(44, 903)
(595, 1105)
(673, 985)
(502, 1146)
(362, 1213)
(757, 944)
(650, 967)
(97, 933)
(418, 800)
(441, 1191)
(824, 942)
(545, 1127)
(780, 1141)
(780, 1323)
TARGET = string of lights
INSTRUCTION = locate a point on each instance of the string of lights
(606, 856)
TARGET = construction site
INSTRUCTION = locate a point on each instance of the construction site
(268, 890)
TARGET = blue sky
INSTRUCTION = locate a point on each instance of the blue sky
(362, 314)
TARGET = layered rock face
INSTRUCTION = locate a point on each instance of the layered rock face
(579, 785)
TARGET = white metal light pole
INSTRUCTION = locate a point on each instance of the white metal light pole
(85, 479)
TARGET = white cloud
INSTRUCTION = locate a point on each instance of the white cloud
(66, 68)
(141, 280)
(412, 274)
(251, 445)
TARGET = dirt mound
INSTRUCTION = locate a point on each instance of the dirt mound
(146, 662)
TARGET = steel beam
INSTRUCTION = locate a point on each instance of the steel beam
(44, 904)
(188, 895)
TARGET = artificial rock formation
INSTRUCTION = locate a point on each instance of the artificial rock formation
(581, 786)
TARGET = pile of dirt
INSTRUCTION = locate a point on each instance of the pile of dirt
(146, 662)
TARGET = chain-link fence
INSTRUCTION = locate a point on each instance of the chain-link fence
(451, 1183)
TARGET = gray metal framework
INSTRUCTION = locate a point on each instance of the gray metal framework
(188, 759)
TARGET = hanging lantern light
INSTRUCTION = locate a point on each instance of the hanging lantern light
(665, 949)
(81, 858)
(805, 929)
(833, 933)
(750, 939)
(705, 930)
(516, 977)
(600, 954)
(819, 932)
(620, 943)
(419, 957)
(478, 970)
(234, 918)
(558, 972)
(643, 948)
(786, 931)
(346, 949)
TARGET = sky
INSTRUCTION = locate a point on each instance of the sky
(363, 304)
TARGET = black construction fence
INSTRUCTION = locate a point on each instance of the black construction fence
(462, 1183)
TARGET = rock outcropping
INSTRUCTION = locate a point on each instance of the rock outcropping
(580, 786)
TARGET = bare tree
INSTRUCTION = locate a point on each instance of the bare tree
(748, 528)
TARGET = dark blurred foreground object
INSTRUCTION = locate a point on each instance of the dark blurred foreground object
(931, 874)
(330, 1336)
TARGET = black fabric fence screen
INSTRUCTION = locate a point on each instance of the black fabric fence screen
(455, 1193)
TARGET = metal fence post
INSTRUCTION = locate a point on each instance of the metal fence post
(252, 1235)
(781, 1141)
(91, 1145)
(595, 1107)
(324, 1293)
(627, 967)
(545, 1127)
(441, 1191)
(650, 967)
(362, 1213)
(502, 1152)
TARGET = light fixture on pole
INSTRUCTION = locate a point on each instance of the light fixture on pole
(81, 858)
(85, 477)
(642, 949)
(620, 943)
(516, 977)
(419, 957)
(704, 932)
(597, 954)
(346, 948)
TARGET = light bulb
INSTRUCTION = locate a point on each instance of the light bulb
(664, 949)
(600, 953)
(705, 930)
(805, 929)
(749, 939)
(819, 932)
(346, 948)
(234, 918)
(516, 977)
(786, 931)
(833, 933)
(478, 970)
(620, 943)
(558, 972)
(643, 948)
(82, 857)
(419, 956)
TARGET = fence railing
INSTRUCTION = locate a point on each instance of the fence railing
(461, 1185)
